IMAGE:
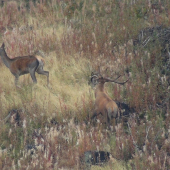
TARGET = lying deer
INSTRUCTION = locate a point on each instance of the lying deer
(103, 103)
(24, 65)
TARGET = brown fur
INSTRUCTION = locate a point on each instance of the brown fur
(24, 65)
(20, 65)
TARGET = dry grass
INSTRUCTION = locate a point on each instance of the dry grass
(76, 38)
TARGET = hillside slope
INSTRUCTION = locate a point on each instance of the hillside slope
(50, 127)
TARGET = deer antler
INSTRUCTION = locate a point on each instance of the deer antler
(110, 80)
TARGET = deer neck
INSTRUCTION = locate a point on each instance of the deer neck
(99, 89)
(6, 60)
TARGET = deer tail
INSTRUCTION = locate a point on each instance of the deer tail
(40, 59)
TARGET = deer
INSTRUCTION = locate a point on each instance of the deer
(23, 65)
(104, 105)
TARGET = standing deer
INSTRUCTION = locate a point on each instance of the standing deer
(24, 65)
(103, 103)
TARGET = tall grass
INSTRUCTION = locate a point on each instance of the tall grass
(49, 128)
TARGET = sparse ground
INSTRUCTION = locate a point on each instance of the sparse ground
(49, 128)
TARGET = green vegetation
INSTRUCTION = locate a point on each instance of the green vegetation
(49, 128)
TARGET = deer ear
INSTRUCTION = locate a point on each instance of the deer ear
(92, 74)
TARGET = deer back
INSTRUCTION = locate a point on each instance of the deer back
(23, 64)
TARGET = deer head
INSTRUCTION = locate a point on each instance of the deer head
(98, 78)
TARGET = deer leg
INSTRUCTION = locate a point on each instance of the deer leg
(32, 73)
(41, 71)
(114, 123)
(118, 117)
(111, 119)
(16, 80)
(107, 119)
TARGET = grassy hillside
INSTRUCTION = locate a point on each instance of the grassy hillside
(49, 127)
